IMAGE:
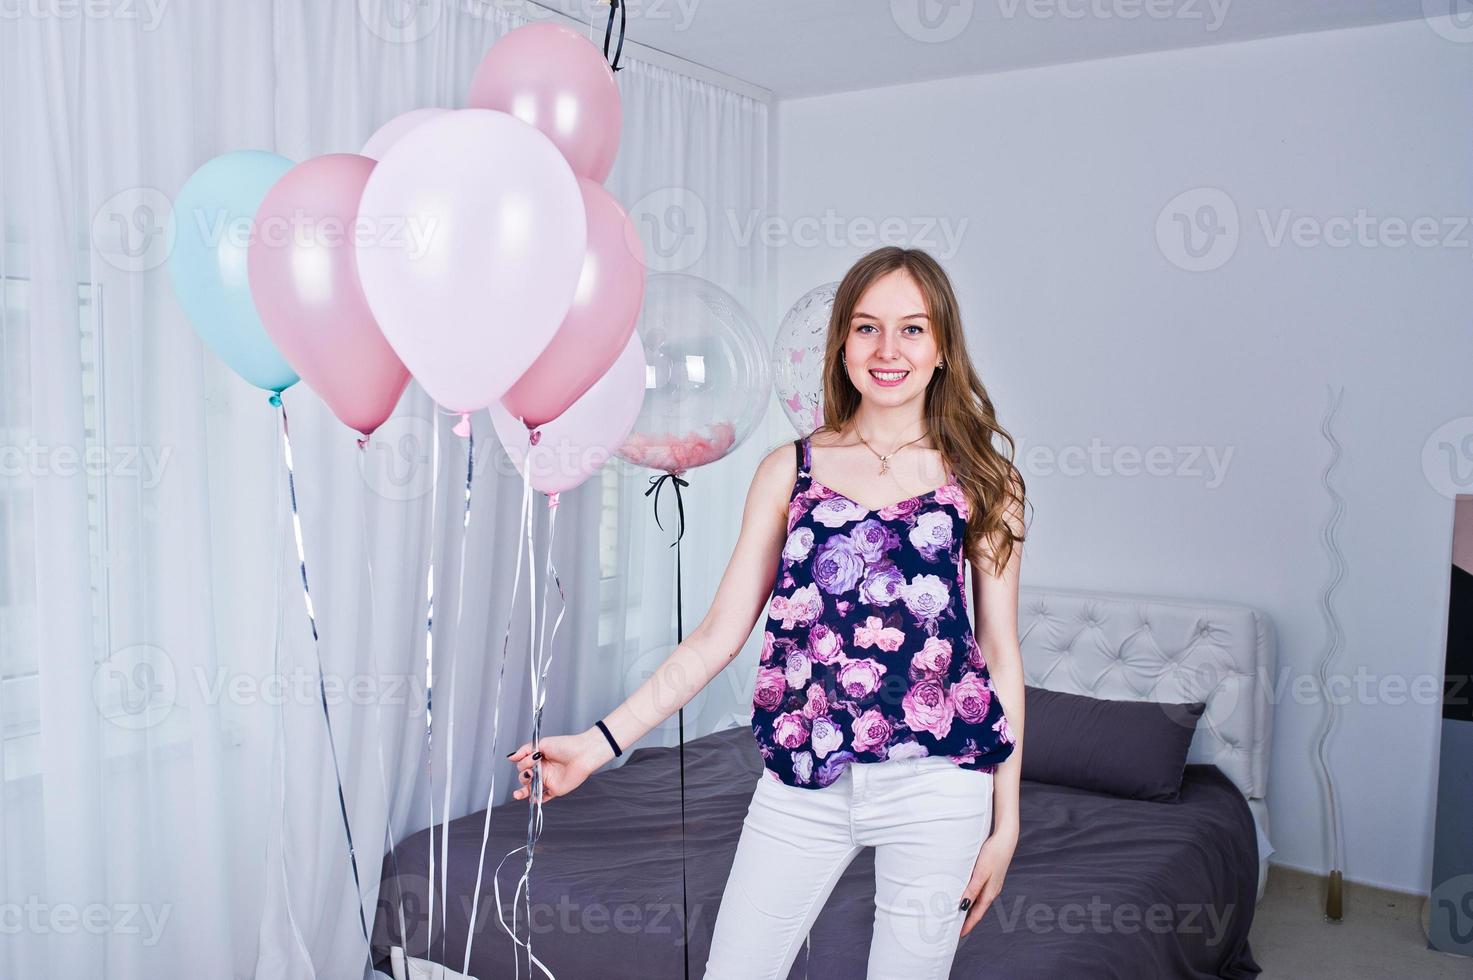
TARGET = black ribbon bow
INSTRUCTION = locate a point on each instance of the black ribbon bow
(656, 482)
(622, 8)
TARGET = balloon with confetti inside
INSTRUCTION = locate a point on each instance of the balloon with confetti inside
(797, 358)
(707, 380)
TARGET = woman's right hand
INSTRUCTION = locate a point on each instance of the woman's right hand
(566, 761)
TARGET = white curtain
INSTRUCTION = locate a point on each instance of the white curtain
(168, 804)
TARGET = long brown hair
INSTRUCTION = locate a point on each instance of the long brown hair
(960, 418)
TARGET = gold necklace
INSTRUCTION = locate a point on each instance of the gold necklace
(885, 457)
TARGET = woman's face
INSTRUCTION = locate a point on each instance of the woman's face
(891, 349)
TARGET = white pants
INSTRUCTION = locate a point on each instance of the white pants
(926, 819)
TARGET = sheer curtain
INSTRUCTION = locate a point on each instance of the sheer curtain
(168, 803)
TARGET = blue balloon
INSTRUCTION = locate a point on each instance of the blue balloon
(212, 227)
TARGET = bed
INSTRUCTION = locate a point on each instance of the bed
(1100, 886)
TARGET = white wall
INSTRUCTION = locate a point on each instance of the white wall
(1085, 330)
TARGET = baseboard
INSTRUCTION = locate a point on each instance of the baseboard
(1349, 879)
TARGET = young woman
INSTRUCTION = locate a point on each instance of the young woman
(878, 711)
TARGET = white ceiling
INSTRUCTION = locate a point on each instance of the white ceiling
(796, 48)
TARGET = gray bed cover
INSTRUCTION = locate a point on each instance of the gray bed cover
(1098, 887)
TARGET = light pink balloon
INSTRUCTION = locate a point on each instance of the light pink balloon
(390, 132)
(304, 284)
(600, 322)
(479, 246)
(576, 444)
(552, 77)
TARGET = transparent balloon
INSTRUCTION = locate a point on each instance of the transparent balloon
(797, 358)
(707, 379)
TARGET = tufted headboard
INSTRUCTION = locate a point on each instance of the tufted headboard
(1145, 648)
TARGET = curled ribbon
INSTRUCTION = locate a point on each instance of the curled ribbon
(291, 485)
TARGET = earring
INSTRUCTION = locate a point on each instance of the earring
(940, 365)
(843, 359)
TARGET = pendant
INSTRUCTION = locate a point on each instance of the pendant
(884, 464)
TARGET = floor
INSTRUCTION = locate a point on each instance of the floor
(1380, 936)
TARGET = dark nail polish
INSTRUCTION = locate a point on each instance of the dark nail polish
(966, 904)
(511, 753)
(526, 775)
(536, 755)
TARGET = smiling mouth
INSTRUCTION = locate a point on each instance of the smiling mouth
(889, 377)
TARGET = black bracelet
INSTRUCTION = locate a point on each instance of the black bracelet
(605, 729)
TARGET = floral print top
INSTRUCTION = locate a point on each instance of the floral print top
(867, 653)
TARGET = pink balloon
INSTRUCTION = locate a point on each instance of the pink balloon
(576, 444)
(304, 284)
(481, 234)
(600, 322)
(390, 132)
(551, 77)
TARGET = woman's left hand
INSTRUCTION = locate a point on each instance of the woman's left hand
(987, 875)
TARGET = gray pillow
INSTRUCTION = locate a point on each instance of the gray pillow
(1134, 749)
